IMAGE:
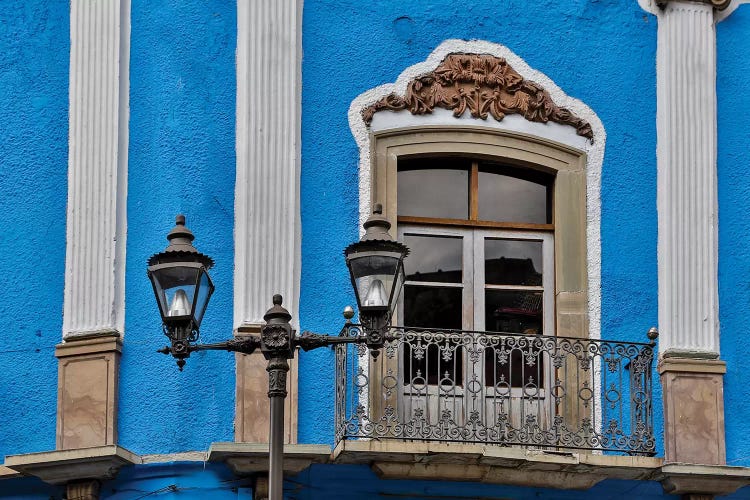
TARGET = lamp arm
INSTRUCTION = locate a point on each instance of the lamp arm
(246, 344)
(309, 340)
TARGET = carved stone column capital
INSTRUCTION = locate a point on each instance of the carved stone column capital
(83, 490)
(717, 4)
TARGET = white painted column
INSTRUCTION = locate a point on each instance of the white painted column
(267, 221)
(97, 167)
(686, 180)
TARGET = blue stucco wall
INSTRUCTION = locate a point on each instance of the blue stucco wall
(601, 52)
(334, 482)
(166, 481)
(733, 100)
(34, 54)
(181, 160)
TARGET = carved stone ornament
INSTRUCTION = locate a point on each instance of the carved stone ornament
(717, 4)
(484, 84)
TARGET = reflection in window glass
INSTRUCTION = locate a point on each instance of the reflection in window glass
(512, 262)
(521, 197)
(434, 187)
(432, 307)
(513, 311)
(433, 258)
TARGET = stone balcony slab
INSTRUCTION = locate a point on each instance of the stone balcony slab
(62, 466)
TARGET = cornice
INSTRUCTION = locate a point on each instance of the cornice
(485, 85)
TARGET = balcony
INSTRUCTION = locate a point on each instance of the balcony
(504, 389)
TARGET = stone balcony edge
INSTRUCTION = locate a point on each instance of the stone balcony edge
(402, 460)
(61, 466)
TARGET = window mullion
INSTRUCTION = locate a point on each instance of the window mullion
(474, 191)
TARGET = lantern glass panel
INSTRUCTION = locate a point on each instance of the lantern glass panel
(175, 289)
(374, 277)
(205, 289)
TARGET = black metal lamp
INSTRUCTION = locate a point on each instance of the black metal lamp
(376, 266)
(182, 287)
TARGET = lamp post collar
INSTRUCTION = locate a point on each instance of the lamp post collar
(377, 237)
(376, 226)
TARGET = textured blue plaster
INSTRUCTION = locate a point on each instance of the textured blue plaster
(334, 482)
(29, 488)
(181, 160)
(175, 480)
(34, 54)
(733, 82)
(601, 52)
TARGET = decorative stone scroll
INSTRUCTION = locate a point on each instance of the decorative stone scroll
(484, 84)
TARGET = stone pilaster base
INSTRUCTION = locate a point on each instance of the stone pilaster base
(693, 410)
(88, 371)
(252, 411)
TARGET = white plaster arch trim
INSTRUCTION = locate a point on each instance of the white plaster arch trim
(564, 134)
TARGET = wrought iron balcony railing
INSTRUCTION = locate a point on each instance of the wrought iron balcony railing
(497, 388)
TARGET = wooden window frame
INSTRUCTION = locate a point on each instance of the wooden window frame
(473, 218)
(567, 164)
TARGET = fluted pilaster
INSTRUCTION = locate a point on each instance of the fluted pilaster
(687, 193)
(268, 130)
(266, 216)
(97, 167)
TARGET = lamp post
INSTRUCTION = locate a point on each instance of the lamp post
(183, 287)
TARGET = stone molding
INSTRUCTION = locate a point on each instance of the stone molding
(413, 460)
(65, 466)
(267, 219)
(94, 297)
(697, 480)
(485, 85)
(88, 371)
(693, 392)
(251, 458)
(252, 407)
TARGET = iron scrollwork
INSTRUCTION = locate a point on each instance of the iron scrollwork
(499, 388)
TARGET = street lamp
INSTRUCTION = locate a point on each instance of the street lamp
(183, 287)
(376, 266)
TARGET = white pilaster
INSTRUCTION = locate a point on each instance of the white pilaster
(686, 179)
(97, 167)
(267, 224)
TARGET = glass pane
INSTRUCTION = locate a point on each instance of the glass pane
(177, 287)
(429, 358)
(513, 311)
(434, 187)
(513, 262)
(434, 258)
(507, 198)
(204, 294)
(432, 307)
(374, 277)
